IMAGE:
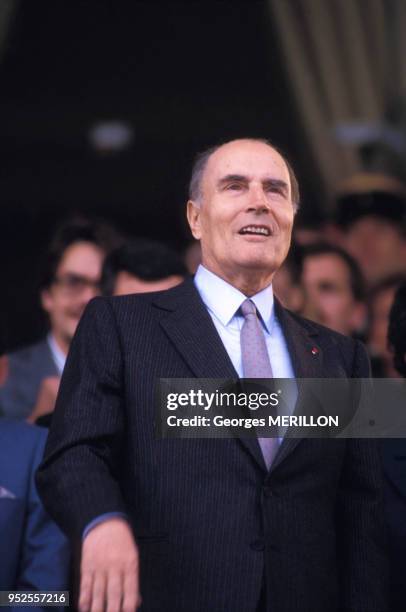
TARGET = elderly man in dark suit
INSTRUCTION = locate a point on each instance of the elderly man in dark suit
(234, 525)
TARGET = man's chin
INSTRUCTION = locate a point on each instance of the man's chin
(258, 264)
(69, 332)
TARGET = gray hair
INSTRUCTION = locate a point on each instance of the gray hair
(200, 164)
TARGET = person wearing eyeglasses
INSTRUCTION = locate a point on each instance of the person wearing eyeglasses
(71, 277)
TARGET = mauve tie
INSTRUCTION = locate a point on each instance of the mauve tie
(256, 364)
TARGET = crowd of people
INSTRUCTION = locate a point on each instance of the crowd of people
(349, 276)
(345, 274)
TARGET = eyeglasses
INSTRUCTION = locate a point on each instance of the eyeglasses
(74, 284)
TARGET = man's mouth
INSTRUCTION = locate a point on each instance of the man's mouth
(255, 230)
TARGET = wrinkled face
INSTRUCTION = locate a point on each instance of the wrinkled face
(76, 282)
(378, 246)
(245, 218)
(127, 283)
(329, 298)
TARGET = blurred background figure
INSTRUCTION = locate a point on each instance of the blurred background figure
(71, 277)
(193, 256)
(287, 282)
(308, 233)
(397, 331)
(141, 266)
(394, 462)
(3, 368)
(33, 551)
(379, 303)
(333, 289)
(317, 228)
(371, 211)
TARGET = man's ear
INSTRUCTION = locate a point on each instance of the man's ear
(193, 211)
(46, 300)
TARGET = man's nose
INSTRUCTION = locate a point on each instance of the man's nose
(258, 200)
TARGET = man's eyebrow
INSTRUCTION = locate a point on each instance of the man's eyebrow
(240, 178)
(272, 182)
(229, 178)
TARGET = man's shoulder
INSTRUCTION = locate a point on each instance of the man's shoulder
(30, 353)
(29, 365)
(168, 299)
(21, 447)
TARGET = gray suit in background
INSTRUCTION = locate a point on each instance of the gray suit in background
(27, 369)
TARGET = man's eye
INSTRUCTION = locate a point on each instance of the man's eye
(74, 281)
(234, 186)
(327, 287)
(274, 189)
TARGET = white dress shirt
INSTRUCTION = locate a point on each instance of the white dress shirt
(223, 301)
(58, 355)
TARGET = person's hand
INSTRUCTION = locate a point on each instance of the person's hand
(109, 569)
(46, 398)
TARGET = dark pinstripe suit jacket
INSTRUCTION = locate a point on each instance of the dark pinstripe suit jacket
(209, 520)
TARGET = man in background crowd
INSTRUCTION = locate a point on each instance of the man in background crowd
(141, 266)
(33, 551)
(371, 211)
(71, 277)
(287, 282)
(333, 288)
(380, 303)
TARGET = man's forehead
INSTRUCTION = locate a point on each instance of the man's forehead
(246, 156)
(330, 262)
(78, 257)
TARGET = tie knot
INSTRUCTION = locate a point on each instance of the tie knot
(248, 308)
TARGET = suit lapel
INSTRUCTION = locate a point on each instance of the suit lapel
(305, 353)
(190, 328)
(307, 362)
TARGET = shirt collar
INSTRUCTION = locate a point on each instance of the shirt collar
(58, 355)
(223, 300)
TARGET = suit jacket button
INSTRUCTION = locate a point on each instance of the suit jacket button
(268, 492)
(257, 545)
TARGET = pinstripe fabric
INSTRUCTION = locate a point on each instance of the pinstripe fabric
(209, 519)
